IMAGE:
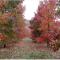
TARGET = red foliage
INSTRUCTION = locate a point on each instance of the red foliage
(2, 37)
(21, 35)
(44, 18)
(40, 39)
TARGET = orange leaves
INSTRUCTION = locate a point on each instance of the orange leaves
(20, 8)
(2, 37)
(44, 17)
(1, 3)
(4, 17)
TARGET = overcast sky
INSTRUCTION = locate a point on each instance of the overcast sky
(31, 7)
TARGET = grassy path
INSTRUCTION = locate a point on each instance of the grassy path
(26, 49)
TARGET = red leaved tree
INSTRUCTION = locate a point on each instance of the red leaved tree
(45, 16)
(43, 24)
(44, 27)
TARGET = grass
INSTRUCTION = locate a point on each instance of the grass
(23, 53)
(26, 52)
(40, 55)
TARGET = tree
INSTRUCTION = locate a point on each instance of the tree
(58, 8)
(45, 16)
(43, 24)
(11, 21)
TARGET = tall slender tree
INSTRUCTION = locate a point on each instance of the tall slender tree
(11, 21)
(43, 23)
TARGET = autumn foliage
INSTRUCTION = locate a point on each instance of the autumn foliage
(44, 28)
(11, 21)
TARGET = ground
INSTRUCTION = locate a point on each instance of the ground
(26, 49)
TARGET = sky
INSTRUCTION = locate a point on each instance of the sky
(30, 7)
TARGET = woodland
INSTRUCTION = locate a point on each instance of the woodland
(38, 38)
